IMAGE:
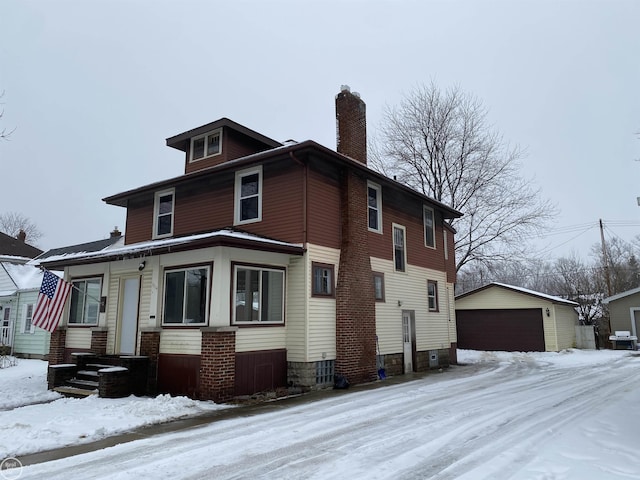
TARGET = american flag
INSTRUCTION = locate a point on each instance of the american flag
(53, 294)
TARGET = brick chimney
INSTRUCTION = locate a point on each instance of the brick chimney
(355, 303)
(351, 122)
(22, 236)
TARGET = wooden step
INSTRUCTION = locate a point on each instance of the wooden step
(75, 392)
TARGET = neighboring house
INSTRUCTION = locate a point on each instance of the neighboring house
(268, 265)
(15, 284)
(624, 311)
(16, 247)
(19, 286)
(507, 318)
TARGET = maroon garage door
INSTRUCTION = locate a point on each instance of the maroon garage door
(515, 330)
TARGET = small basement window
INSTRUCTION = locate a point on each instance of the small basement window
(324, 372)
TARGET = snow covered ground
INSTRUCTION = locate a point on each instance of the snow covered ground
(540, 416)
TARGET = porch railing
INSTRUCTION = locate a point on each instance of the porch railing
(5, 335)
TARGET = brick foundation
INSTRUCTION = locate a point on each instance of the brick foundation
(56, 346)
(218, 363)
(150, 347)
(99, 341)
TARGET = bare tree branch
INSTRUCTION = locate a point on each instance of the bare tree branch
(440, 143)
(12, 222)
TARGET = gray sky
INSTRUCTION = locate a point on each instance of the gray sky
(94, 89)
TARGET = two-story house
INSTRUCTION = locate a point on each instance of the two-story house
(267, 265)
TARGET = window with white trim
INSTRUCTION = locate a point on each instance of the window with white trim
(378, 286)
(429, 227)
(248, 196)
(186, 292)
(374, 207)
(27, 326)
(432, 295)
(259, 295)
(163, 214)
(323, 280)
(85, 301)
(399, 248)
(206, 145)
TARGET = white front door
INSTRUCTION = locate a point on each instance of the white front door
(406, 340)
(129, 318)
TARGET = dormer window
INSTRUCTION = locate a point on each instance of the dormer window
(206, 145)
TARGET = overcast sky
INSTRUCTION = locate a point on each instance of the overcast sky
(94, 88)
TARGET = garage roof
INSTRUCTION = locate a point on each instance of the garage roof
(526, 291)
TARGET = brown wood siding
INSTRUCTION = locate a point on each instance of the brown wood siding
(179, 374)
(208, 204)
(323, 209)
(403, 211)
(234, 145)
(260, 371)
(510, 330)
(139, 227)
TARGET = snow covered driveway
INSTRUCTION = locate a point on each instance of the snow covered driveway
(572, 415)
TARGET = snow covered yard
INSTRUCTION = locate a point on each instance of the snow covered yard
(540, 416)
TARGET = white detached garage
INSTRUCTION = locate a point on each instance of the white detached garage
(508, 318)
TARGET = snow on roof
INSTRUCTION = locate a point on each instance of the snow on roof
(14, 259)
(119, 249)
(536, 294)
(25, 277)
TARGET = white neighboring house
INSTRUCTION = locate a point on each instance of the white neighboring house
(19, 287)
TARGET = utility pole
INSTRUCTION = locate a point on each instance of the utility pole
(606, 260)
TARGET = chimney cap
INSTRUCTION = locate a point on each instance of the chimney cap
(22, 236)
(345, 88)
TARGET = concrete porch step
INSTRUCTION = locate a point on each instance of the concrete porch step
(97, 366)
(91, 375)
(75, 392)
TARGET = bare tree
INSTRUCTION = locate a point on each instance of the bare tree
(4, 133)
(441, 144)
(12, 223)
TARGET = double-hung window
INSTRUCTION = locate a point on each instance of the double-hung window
(206, 145)
(163, 214)
(248, 196)
(85, 301)
(323, 280)
(27, 326)
(399, 248)
(374, 206)
(186, 292)
(259, 295)
(429, 227)
(432, 295)
(378, 286)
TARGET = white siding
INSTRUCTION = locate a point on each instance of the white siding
(408, 291)
(322, 311)
(297, 310)
(181, 341)
(566, 321)
(260, 338)
(112, 312)
(36, 343)
(78, 337)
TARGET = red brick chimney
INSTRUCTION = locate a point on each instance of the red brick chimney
(351, 120)
(22, 236)
(355, 303)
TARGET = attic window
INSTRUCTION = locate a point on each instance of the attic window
(206, 145)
